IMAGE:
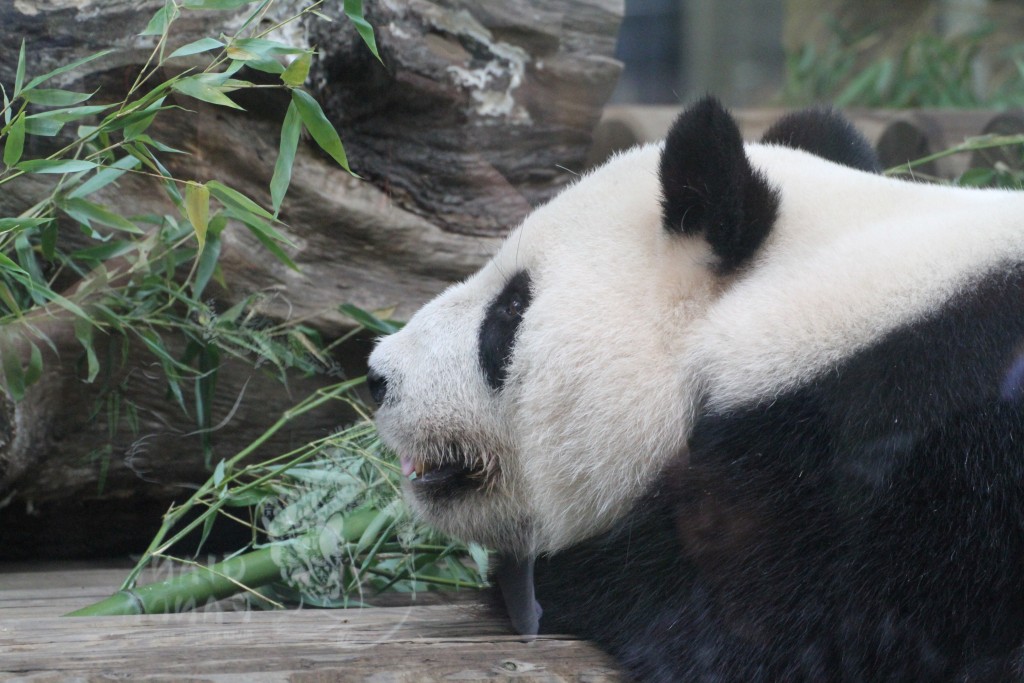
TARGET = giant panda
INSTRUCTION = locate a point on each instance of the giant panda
(738, 412)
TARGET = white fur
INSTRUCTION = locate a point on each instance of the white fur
(630, 330)
(852, 256)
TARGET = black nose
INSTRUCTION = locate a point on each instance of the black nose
(378, 385)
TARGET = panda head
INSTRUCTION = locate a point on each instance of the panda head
(537, 400)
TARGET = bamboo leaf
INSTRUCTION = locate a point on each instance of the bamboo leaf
(267, 236)
(15, 143)
(207, 260)
(235, 199)
(83, 333)
(56, 165)
(70, 113)
(354, 12)
(38, 80)
(102, 252)
(6, 105)
(85, 211)
(54, 97)
(8, 298)
(161, 20)
(48, 239)
(197, 210)
(246, 49)
(7, 224)
(19, 73)
(218, 474)
(319, 127)
(368, 320)
(105, 176)
(270, 66)
(46, 128)
(202, 89)
(196, 47)
(291, 129)
(296, 73)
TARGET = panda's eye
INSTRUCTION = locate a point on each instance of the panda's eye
(515, 307)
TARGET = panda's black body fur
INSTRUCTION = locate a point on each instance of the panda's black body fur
(865, 526)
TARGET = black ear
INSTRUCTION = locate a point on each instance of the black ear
(826, 133)
(709, 188)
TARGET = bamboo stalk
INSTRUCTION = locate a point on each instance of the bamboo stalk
(218, 581)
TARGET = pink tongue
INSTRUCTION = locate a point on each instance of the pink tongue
(407, 466)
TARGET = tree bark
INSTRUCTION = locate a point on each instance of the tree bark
(480, 111)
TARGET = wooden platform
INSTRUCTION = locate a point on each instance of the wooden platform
(412, 643)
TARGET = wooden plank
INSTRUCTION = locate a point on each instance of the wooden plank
(379, 644)
(459, 641)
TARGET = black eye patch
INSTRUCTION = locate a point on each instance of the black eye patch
(498, 330)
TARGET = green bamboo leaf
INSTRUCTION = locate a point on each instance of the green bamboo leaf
(19, 73)
(8, 224)
(197, 209)
(235, 199)
(208, 258)
(161, 20)
(354, 12)
(218, 474)
(319, 127)
(196, 47)
(105, 176)
(144, 139)
(202, 89)
(267, 236)
(48, 239)
(6, 104)
(55, 97)
(15, 143)
(8, 298)
(28, 260)
(296, 73)
(56, 165)
(102, 252)
(68, 114)
(245, 49)
(369, 320)
(84, 211)
(291, 129)
(270, 66)
(141, 121)
(46, 128)
(38, 80)
(83, 333)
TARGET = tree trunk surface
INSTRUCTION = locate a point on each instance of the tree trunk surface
(481, 110)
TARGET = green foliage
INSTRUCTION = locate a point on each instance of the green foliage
(144, 276)
(1008, 174)
(929, 71)
(300, 495)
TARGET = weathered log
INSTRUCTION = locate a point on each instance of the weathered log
(480, 111)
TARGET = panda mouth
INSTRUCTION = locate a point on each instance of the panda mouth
(451, 476)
